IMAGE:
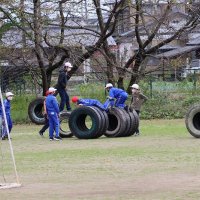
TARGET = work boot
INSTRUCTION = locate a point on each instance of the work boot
(57, 138)
(3, 138)
(41, 133)
(136, 133)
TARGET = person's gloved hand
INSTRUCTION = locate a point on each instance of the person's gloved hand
(110, 98)
(108, 109)
(126, 108)
(131, 109)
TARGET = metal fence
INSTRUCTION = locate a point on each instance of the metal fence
(150, 83)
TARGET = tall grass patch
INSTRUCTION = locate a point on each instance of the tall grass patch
(19, 108)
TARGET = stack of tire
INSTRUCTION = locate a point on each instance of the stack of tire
(192, 120)
(116, 123)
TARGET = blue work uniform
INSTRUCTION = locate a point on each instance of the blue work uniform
(1, 113)
(91, 102)
(52, 109)
(118, 94)
(7, 107)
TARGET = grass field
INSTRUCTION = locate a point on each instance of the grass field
(163, 163)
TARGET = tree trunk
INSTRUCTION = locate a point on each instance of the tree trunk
(134, 77)
(120, 82)
(45, 85)
(110, 60)
(38, 42)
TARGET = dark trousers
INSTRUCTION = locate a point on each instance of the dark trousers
(138, 112)
(64, 99)
(46, 125)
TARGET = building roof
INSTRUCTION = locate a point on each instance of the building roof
(73, 37)
(169, 46)
(177, 52)
(194, 41)
(145, 1)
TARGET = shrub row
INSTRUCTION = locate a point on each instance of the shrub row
(166, 100)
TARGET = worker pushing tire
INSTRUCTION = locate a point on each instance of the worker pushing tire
(111, 118)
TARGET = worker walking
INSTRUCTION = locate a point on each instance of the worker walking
(116, 96)
(1, 118)
(52, 109)
(138, 98)
(61, 87)
(7, 106)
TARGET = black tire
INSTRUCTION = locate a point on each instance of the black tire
(104, 119)
(133, 124)
(125, 133)
(35, 111)
(137, 120)
(77, 123)
(192, 120)
(101, 121)
(117, 123)
(64, 125)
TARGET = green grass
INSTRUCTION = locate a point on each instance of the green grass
(162, 163)
(19, 108)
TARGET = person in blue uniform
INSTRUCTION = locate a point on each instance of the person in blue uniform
(61, 87)
(117, 96)
(52, 110)
(1, 118)
(88, 102)
(7, 106)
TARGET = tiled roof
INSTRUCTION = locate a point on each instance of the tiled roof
(195, 41)
(177, 52)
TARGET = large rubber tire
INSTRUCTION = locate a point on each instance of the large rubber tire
(64, 125)
(137, 120)
(125, 133)
(192, 120)
(117, 123)
(35, 111)
(77, 123)
(104, 119)
(133, 124)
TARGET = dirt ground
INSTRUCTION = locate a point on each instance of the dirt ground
(148, 167)
(162, 186)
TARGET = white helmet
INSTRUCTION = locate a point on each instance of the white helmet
(68, 64)
(51, 89)
(9, 94)
(108, 85)
(135, 86)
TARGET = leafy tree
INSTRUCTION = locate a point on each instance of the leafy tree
(44, 29)
(161, 22)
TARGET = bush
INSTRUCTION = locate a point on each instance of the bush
(166, 100)
(19, 108)
(93, 91)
